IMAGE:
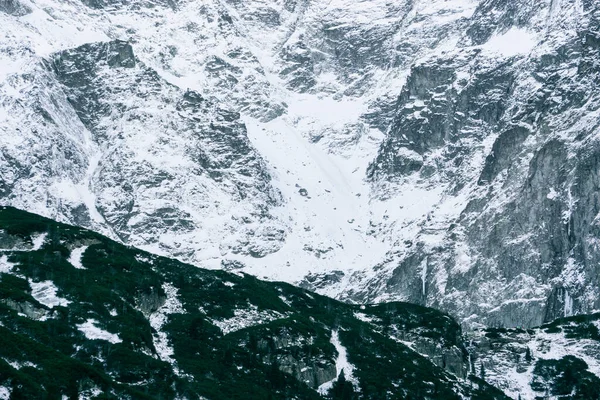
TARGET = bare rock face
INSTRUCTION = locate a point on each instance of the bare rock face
(14, 8)
(505, 135)
(141, 141)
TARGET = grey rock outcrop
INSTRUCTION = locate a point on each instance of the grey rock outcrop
(289, 353)
(14, 8)
(506, 133)
(27, 308)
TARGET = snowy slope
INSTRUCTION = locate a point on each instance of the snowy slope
(368, 150)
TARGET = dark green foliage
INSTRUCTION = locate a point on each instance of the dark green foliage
(54, 373)
(528, 357)
(576, 327)
(567, 378)
(427, 322)
(121, 286)
(391, 364)
(584, 330)
(342, 389)
(14, 288)
(493, 333)
(553, 329)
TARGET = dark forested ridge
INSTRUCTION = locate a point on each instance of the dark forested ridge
(82, 315)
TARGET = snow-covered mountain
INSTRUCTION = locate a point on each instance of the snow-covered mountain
(437, 152)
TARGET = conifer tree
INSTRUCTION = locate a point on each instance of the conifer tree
(342, 389)
(528, 357)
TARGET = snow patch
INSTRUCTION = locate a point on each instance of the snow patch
(5, 265)
(245, 318)
(515, 380)
(5, 393)
(157, 320)
(516, 41)
(91, 393)
(75, 257)
(463, 259)
(45, 293)
(18, 365)
(363, 317)
(92, 332)
(423, 276)
(38, 241)
(341, 364)
(285, 300)
(568, 301)
(325, 194)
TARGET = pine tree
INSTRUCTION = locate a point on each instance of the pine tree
(528, 357)
(275, 376)
(342, 389)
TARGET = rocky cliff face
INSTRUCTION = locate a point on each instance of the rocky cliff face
(441, 152)
(507, 127)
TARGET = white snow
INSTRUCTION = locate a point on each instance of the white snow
(332, 227)
(157, 320)
(5, 265)
(363, 317)
(320, 237)
(341, 364)
(521, 382)
(463, 258)
(5, 393)
(92, 332)
(75, 257)
(245, 318)
(285, 300)
(18, 365)
(424, 276)
(321, 143)
(45, 293)
(91, 393)
(552, 194)
(516, 41)
(38, 240)
(568, 307)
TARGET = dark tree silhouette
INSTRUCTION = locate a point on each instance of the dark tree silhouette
(528, 357)
(342, 389)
